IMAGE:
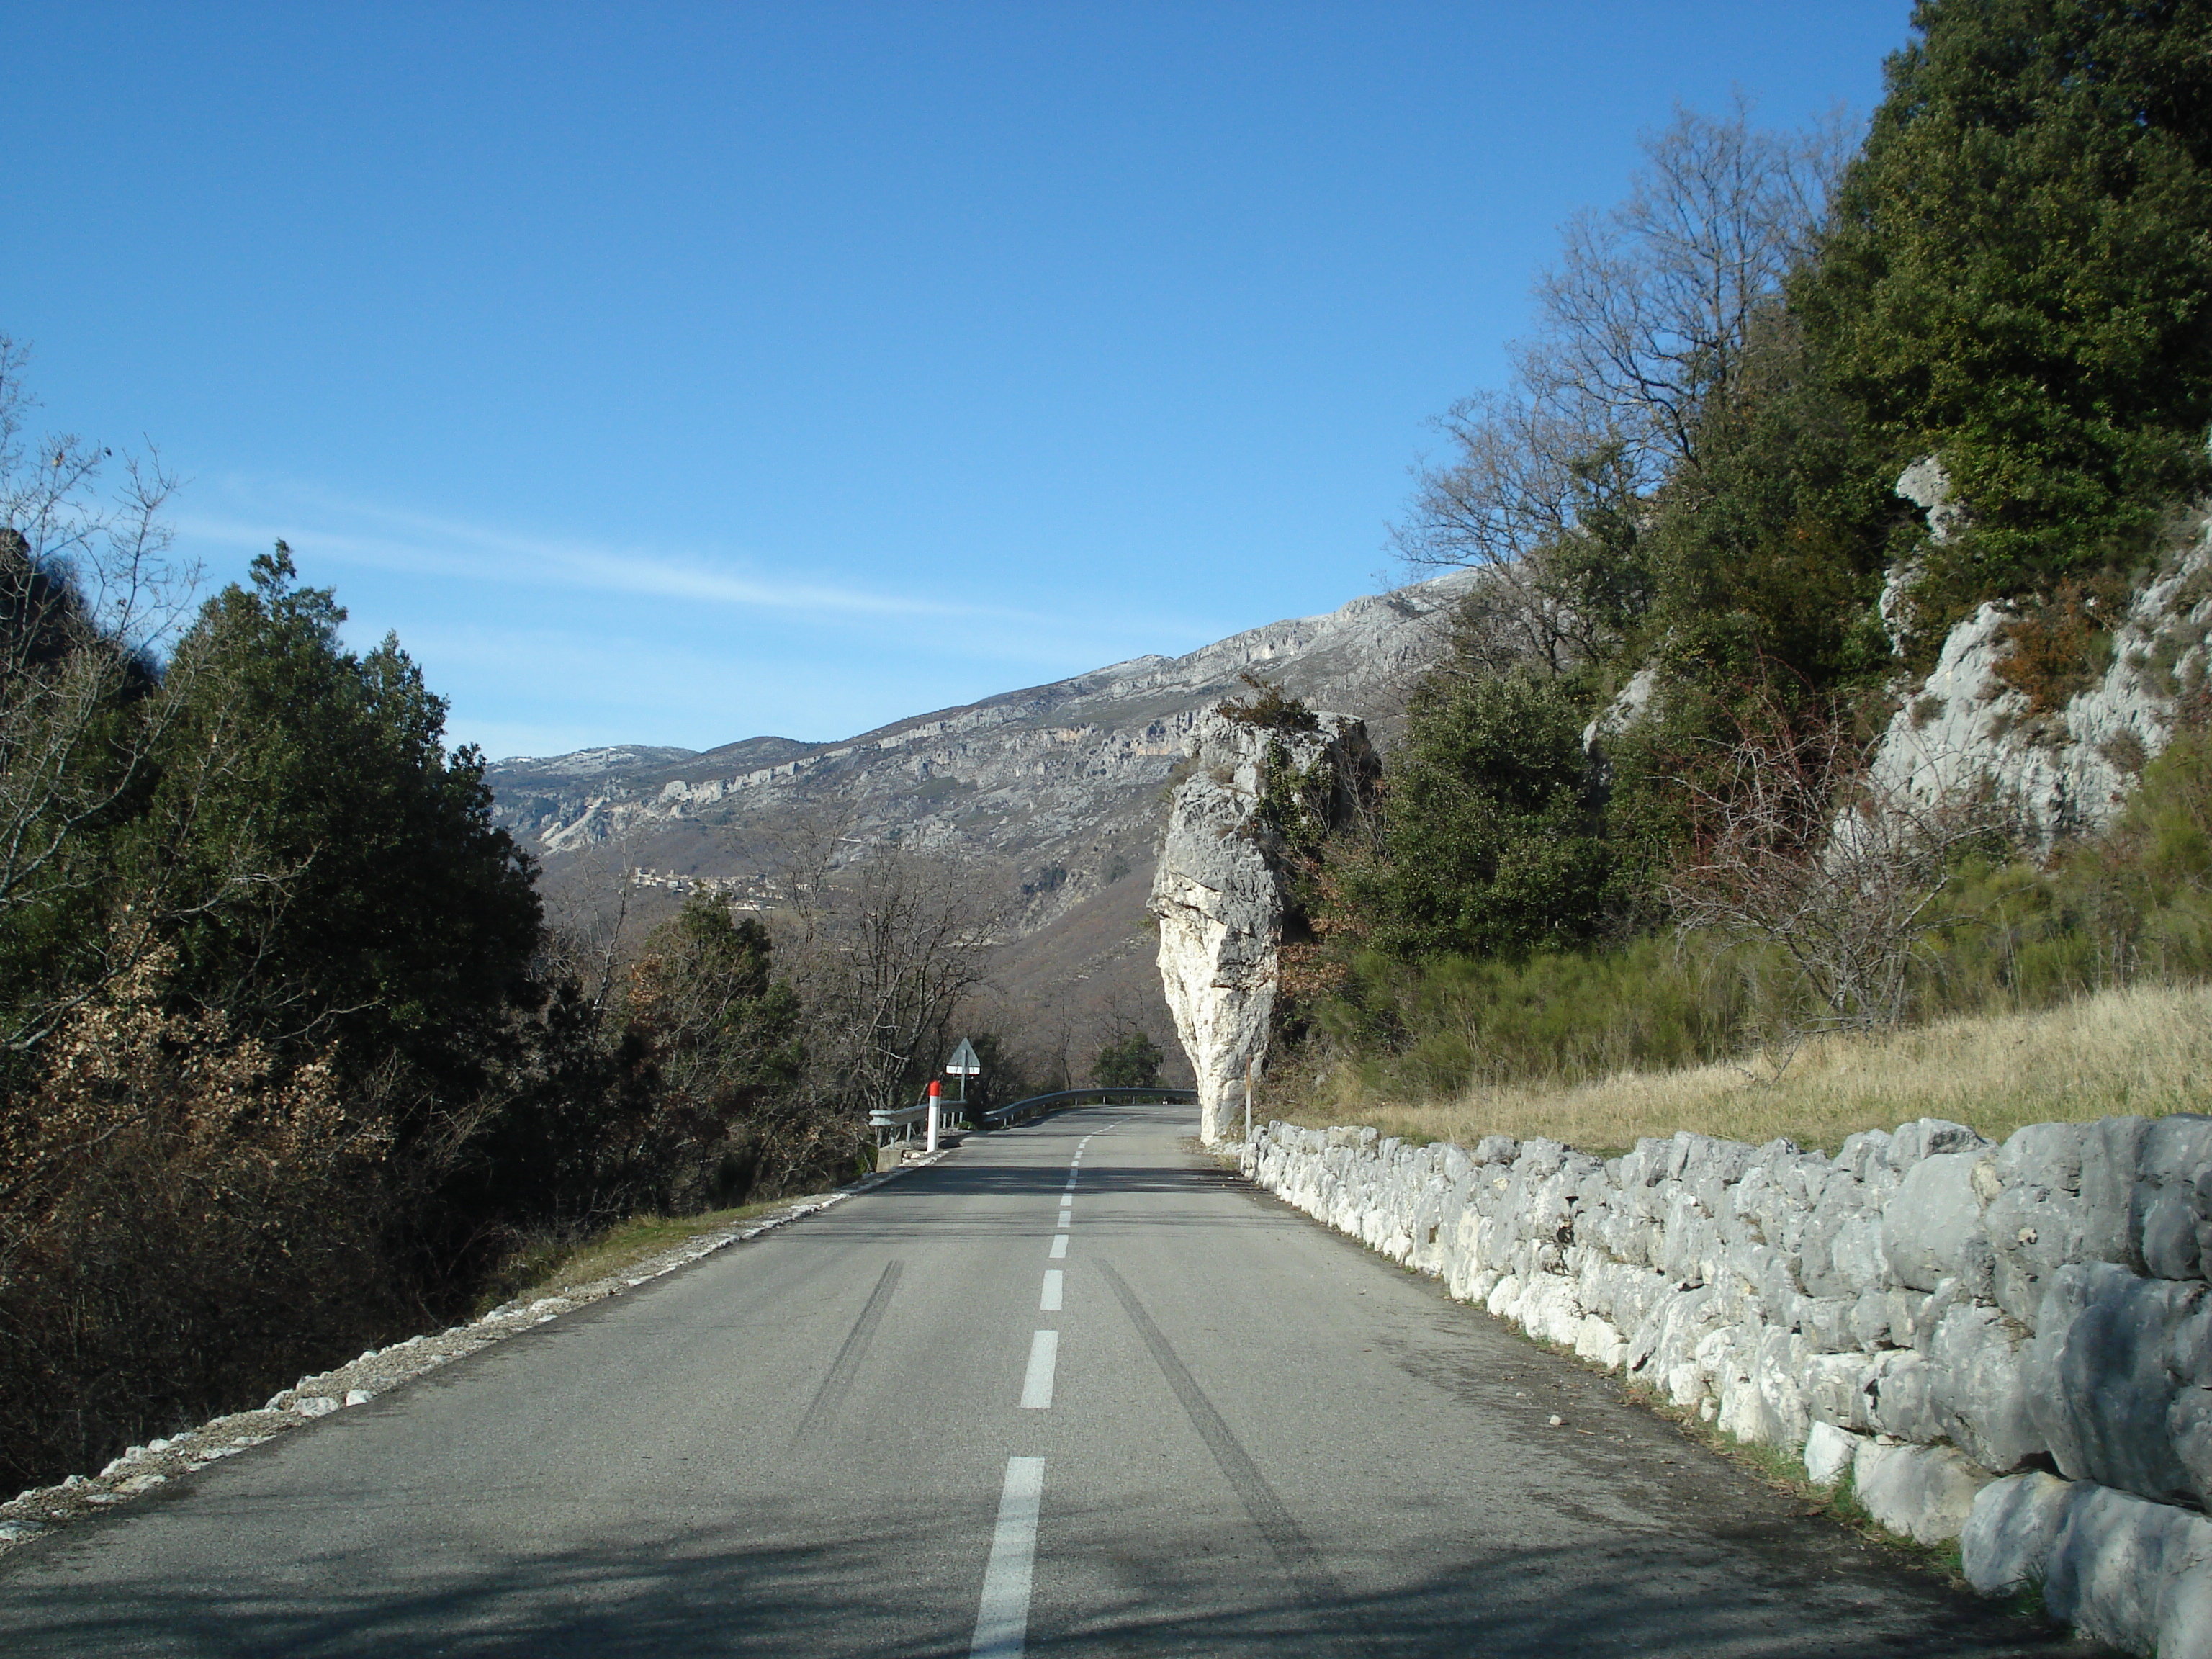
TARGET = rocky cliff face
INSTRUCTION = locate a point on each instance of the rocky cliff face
(2066, 769)
(1038, 772)
(1218, 896)
(2069, 768)
(1053, 793)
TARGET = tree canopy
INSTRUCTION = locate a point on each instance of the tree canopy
(327, 775)
(2019, 274)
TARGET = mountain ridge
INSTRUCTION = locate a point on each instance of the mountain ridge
(1364, 653)
(1049, 794)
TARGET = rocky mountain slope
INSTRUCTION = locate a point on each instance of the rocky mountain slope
(2071, 765)
(1052, 793)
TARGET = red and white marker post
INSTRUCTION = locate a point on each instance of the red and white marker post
(935, 1089)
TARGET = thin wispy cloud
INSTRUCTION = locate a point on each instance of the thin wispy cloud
(641, 645)
(396, 540)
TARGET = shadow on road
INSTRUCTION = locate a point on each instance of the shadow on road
(711, 1590)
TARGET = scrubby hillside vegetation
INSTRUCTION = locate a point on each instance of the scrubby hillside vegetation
(290, 1062)
(1633, 826)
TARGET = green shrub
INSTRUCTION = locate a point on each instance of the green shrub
(2133, 904)
(1493, 828)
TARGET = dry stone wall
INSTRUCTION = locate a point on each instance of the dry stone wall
(2009, 1346)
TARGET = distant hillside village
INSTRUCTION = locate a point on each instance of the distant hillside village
(743, 892)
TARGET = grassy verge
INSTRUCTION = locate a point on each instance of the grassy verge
(552, 1263)
(2145, 1049)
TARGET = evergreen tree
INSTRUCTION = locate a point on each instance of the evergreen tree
(1495, 840)
(1130, 1062)
(364, 895)
(2019, 276)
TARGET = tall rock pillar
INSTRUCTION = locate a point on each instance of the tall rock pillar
(1219, 893)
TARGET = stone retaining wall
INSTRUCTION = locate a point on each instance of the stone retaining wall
(2007, 1345)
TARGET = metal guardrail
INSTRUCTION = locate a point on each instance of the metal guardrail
(1004, 1115)
(898, 1116)
(905, 1117)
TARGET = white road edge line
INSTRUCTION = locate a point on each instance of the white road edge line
(1059, 1247)
(1036, 1383)
(1049, 1302)
(1002, 1620)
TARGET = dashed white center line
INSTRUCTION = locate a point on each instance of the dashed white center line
(1049, 1302)
(1002, 1621)
(1060, 1247)
(1063, 1218)
(1044, 1357)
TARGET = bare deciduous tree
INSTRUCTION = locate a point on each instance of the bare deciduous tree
(596, 899)
(1644, 327)
(1795, 849)
(88, 597)
(1647, 315)
(912, 938)
(885, 943)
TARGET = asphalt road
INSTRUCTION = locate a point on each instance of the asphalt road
(918, 1422)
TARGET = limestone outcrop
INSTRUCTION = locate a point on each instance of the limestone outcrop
(1218, 894)
(2068, 770)
(2009, 1346)
(2063, 770)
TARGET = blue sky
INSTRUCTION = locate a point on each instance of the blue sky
(676, 374)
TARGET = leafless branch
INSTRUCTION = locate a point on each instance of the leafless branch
(1797, 850)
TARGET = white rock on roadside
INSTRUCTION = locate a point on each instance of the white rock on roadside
(1218, 895)
(1924, 1492)
(2133, 1573)
(2006, 1539)
(1828, 1453)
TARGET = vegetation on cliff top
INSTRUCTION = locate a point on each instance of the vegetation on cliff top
(1687, 495)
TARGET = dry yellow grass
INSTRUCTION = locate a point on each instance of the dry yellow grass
(2146, 1049)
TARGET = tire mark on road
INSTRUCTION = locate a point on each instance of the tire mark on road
(1301, 1562)
(847, 1365)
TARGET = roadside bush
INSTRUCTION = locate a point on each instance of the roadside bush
(1493, 836)
(1434, 1027)
(186, 1221)
(1996, 936)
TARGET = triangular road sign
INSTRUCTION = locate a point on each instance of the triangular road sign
(964, 1062)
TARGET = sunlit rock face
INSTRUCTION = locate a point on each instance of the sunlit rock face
(1218, 894)
(2070, 770)
(2067, 770)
